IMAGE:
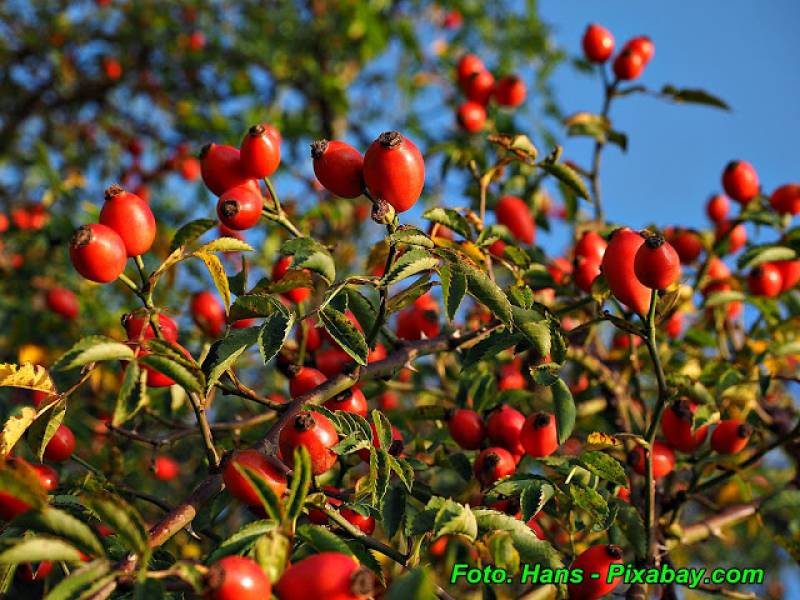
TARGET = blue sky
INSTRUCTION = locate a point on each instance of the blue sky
(740, 50)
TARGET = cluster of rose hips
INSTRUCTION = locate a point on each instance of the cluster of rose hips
(598, 46)
(479, 86)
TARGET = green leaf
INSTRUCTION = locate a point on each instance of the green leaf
(413, 585)
(383, 429)
(37, 549)
(411, 236)
(504, 555)
(218, 276)
(47, 422)
(393, 509)
(367, 559)
(62, 525)
(758, 255)
(310, 254)
(225, 352)
(132, 394)
(486, 291)
(123, 519)
(269, 500)
(273, 334)
(693, 96)
(241, 541)
(410, 263)
(322, 540)
(77, 581)
(567, 176)
(455, 518)
(254, 305)
(187, 379)
(379, 473)
(630, 522)
(589, 500)
(533, 498)
(449, 218)
(490, 346)
(403, 470)
(531, 549)
(301, 483)
(361, 307)
(410, 294)
(454, 287)
(535, 328)
(94, 348)
(564, 410)
(546, 374)
(271, 552)
(224, 244)
(722, 298)
(345, 334)
(603, 465)
(190, 232)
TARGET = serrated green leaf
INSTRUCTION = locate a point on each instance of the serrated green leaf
(310, 254)
(274, 331)
(411, 236)
(589, 500)
(454, 287)
(345, 334)
(504, 555)
(362, 307)
(404, 471)
(531, 549)
(254, 305)
(631, 524)
(127, 399)
(63, 525)
(47, 422)
(491, 345)
(190, 232)
(533, 498)
(301, 483)
(241, 541)
(449, 218)
(77, 581)
(271, 552)
(322, 540)
(383, 428)
(94, 348)
(393, 509)
(122, 518)
(39, 548)
(225, 352)
(605, 466)
(187, 379)
(455, 518)
(564, 410)
(269, 500)
(21, 481)
(567, 176)
(379, 473)
(410, 263)
(535, 329)
(409, 295)
(487, 292)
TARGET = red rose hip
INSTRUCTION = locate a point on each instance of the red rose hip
(740, 181)
(657, 264)
(239, 208)
(339, 168)
(240, 488)
(317, 434)
(598, 43)
(512, 212)
(131, 218)
(237, 578)
(466, 428)
(98, 253)
(260, 151)
(539, 436)
(394, 170)
(730, 436)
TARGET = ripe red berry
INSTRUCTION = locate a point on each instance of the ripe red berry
(63, 302)
(468, 66)
(260, 152)
(504, 426)
(208, 313)
(643, 46)
(786, 199)
(332, 361)
(663, 460)
(497, 248)
(317, 434)
(730, 436)
(539, 436)
(493, 464)
(598, 43)
(237, 578)
(239, 208)
(736, 238)
(618, 269)
(98, 253)
(471, 116)
(740, 181)
(339, 168)
(511, 378)
(221, 168)
(280, 269)
(131, 218)
(352, 401)
(479, 86)
(48, 476)
(657, 264)
(595, 560)
(718, 208)
(687, 244)
(305, 380)
(166, 468)
(394, 170)
(466, 428)
(677, 427)
(765, 280)
(365, 524)
(585, 272)
(61, 445)
(674, 325)
(420, 319)
(591, 245)
(135, 322)
(325, 576)
(628, 65)
(790, 273)
(515, 214)
(510, 91)
(240, 488)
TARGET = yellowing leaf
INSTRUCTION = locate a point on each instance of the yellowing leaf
(217, 272)
(600, 441)
(32, 353)
(14, 428)
(27, 375)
